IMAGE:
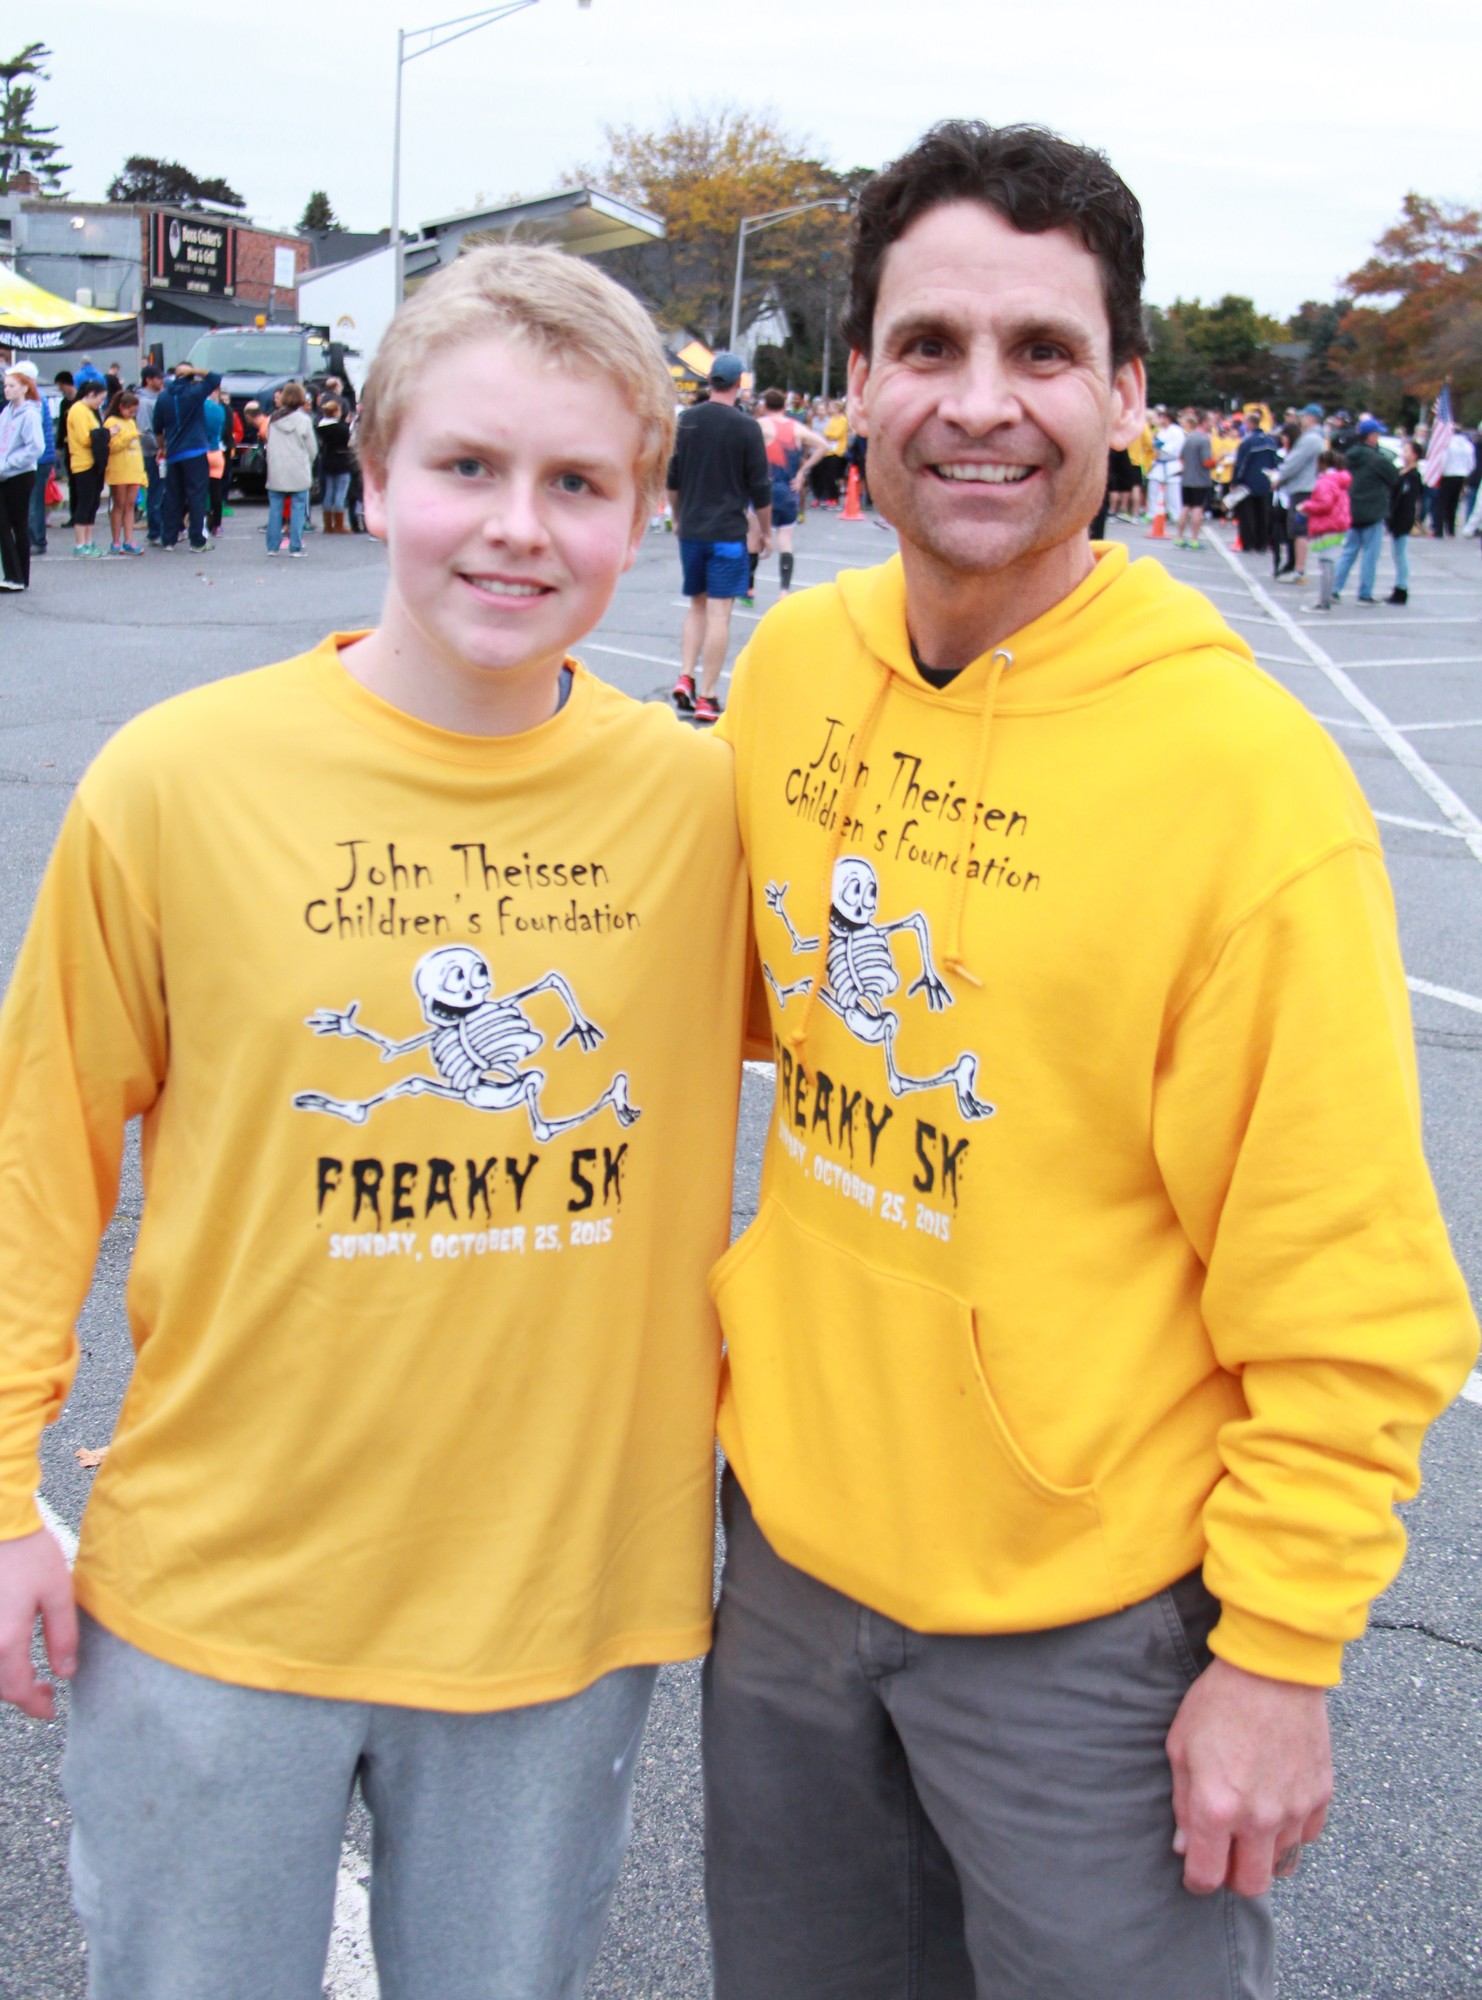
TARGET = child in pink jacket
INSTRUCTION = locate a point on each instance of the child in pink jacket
(1327, 504)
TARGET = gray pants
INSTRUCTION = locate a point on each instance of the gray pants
(892, 1815)
(207, 1822)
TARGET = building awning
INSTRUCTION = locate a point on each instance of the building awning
(580, 220)
(34, 321)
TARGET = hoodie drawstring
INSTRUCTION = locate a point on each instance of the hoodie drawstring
(952, 951)
(797, 1040)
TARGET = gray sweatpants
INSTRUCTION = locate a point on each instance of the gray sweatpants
(207, 1823)
(892, 1815)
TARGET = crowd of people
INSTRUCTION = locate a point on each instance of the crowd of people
(158, 458)
(1310, 480)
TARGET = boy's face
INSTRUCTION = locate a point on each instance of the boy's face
(509, 503)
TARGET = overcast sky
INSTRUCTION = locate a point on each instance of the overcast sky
(1266, 163)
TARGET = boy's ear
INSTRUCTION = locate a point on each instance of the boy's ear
(373, 500)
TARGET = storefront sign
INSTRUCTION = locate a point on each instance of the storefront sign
(188, 253)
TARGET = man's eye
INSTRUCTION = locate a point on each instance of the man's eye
(573, 482)
(467, 468)
(929, 348)
(1046, 350)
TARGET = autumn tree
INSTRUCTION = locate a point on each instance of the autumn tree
(1416, 313)
(318, 216)
(166, 182)
(701, 175)
(25, 145)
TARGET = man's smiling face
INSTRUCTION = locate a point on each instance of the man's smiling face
(989, 399)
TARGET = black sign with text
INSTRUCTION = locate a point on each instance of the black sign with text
(192, 253)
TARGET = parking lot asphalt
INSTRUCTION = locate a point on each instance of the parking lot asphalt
(1386, 1907)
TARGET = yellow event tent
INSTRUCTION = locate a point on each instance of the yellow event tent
(33, 321)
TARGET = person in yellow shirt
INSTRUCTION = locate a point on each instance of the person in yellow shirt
(400, 952)
(1098, 1297)
(125, 474)
(84, 472)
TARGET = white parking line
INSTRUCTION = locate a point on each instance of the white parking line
(1471, 1389)
(1449, 993)
(1419, 825)
(1431, 660)
(1430, 782)
(1409, 728)
(350, 1973)
(625, 653)
(59, 1529)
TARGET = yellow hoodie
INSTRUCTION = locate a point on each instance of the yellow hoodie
(1096, 1237)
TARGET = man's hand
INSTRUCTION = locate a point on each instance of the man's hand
(1252, 1777)
(35, 1581)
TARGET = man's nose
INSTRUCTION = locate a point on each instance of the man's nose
(981, 394)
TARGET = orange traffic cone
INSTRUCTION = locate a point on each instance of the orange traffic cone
(1237, 544)
(1158, 532)
(852, 509)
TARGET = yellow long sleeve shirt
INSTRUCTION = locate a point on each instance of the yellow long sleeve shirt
(1096, 1238)
(435, 1040)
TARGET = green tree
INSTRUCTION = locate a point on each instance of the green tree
(318, 214)
(145, 179)
(23, 143)
(702, 174)
(1216, 354)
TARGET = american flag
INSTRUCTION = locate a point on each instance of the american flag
(1443, 430)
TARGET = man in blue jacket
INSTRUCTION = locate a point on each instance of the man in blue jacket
(1256, 458)
(180, 428)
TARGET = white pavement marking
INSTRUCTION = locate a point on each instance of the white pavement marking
(1430, 782)
(624, 653)
(1419, 825)
(1449, 993)
(1409, 728)
(1428, 660)
(761, 1069)
(59, 1528)
(350, 1973)
(1471, 1389)
(1370, 625)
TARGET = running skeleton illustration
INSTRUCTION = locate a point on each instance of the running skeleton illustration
(478, 1040)
(861, 975)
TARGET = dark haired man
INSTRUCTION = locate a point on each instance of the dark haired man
(1098, 1296)
(719, 469)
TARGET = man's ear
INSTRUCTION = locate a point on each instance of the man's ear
(858, 377)
(1129, 403)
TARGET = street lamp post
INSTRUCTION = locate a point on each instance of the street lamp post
(751, 225)
(437, 36)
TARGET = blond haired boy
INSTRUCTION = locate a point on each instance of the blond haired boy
(394, 947)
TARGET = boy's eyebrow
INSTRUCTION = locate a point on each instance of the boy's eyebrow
(461, 441)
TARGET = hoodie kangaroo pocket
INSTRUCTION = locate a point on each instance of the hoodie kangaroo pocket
(861, 1422)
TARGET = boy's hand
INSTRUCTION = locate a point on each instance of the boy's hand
(35, 1580)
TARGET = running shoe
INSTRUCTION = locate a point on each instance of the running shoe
(747, 603)
(705, 709)
(684, 693)
(130, 549)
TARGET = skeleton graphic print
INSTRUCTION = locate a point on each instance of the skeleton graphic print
(478, 1041)
(861, 975)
